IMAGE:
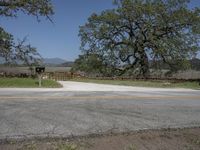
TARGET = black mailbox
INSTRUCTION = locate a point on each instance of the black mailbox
(39, 70)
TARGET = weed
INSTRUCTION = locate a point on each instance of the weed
(66, 146)
(31, 146)
(131, 147)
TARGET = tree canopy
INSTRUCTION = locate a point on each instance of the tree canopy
(90, 64)
(139, 31)
(10, 8)
(20, 51)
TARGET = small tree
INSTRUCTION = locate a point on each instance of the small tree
(17, 52)
(90, 64)
(11, 51)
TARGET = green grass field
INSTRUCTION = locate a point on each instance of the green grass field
(27, 83)
(160, 84)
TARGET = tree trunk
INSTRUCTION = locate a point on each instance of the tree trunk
(144, 64)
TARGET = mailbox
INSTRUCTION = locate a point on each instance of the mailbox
(39, 70)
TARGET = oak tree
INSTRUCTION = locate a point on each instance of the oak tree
(136, 32)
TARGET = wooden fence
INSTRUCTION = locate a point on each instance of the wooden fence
(60, 76)
(64, 76)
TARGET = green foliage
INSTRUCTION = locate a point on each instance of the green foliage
(9, 8)
(17, 52)
(20, 52)
(92, 64)
(6, 42)
(135, 32)
(195, 64)
(87, 63)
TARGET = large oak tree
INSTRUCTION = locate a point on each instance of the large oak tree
(138, 32)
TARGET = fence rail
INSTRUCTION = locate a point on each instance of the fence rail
(64, 76)
(189, 75)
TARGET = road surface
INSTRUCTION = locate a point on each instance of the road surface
(81, 109)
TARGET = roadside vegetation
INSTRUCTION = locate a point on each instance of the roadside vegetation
(27, 83)
(145, 83)
(172, 139)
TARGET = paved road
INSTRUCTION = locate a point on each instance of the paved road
(26, 113)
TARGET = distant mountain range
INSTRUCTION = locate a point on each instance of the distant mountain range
(57, 62)
(53, 61)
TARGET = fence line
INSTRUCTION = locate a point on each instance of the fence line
(64, 76)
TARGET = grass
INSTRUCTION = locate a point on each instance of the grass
(27, 83)
(139, 83)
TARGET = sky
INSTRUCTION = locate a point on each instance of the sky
(59, 39)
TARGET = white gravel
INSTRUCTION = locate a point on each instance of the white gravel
(81, 86)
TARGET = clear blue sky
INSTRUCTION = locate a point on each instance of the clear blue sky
(61, 38)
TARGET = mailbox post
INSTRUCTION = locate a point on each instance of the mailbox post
(39, 71)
